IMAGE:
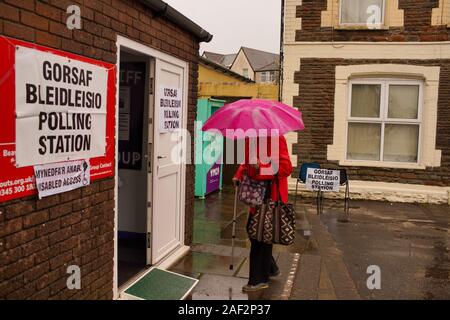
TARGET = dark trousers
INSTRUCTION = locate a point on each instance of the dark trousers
(262, 263)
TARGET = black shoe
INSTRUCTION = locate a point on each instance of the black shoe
(275, 274)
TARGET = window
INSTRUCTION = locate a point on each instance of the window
(268, 76)
(264, 76)
(272, 76)
(362, 12)
(245, 72)
(384, 120)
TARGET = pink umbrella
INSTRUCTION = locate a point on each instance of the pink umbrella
(256, 114)
(252, 117)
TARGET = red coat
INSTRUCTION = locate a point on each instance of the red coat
(279, 159)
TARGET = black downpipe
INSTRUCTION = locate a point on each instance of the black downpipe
(280, 77)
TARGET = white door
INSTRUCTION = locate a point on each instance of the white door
(167, 174)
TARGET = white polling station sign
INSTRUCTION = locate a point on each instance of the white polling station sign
(60, 108)
(170, 108)
(323, 180)
(61, 177)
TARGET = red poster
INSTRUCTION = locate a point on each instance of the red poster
(19, 182)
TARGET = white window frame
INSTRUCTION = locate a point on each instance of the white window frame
(244, 71)
(269, 76)
(272, 76)
(360, 24)
(383, 118)
(264, 77)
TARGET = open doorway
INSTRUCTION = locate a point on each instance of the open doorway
(134, 167)
(151, 181)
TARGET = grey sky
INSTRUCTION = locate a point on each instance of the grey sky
(235, 23)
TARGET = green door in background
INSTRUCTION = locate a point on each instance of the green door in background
(208, 151)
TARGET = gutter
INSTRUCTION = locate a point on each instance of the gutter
(162, 9)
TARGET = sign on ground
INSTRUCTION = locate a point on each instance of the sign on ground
(322, 180)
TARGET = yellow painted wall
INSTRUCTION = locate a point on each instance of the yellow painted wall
(213, 83)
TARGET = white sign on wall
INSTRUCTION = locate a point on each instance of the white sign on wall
(323, 180)
(61, 177)
(170, 108)
(60, 108)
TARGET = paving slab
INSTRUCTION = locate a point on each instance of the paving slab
(278, 284)
(217, 287)
(221, 250)
(343, 284)
(408, 242)
(326, 289)
(205, 263)
(308, 278)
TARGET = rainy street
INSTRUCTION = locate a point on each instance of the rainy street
(409, 243)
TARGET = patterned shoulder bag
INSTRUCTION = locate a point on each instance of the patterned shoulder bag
(252, 192)
(273, 223)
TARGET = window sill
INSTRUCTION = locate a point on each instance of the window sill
(360, 27)
(378, 164)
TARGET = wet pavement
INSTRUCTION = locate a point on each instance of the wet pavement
(409, 243)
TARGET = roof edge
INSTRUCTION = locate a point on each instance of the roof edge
(225, 70)
(165, 10)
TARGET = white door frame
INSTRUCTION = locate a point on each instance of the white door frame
(121, 43)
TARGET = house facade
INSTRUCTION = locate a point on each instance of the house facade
(138, 197)
(256, 65)
(372, 79)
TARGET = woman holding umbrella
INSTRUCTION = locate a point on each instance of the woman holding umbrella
(267, 122)
(275, 173)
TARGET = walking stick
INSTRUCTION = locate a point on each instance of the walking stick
(233, 233)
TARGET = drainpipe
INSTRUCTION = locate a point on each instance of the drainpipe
(280, 74)
(162, 9)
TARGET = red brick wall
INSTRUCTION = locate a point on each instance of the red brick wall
(40, 238)
(417, 25)
(316, 81)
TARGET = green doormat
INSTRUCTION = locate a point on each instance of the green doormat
(160, 284)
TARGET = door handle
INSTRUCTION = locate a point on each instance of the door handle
(161, 157)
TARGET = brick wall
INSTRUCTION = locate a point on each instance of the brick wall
(316, 81)
(417, 25)
(40, 238)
